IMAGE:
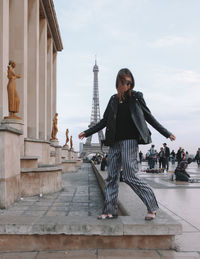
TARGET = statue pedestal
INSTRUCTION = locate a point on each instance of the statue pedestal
(13, 117)
(10, 139)
(17, 124)
(66, 147)
(13, 123)
(56, 151)
(54, 142)
(71, 154)
(65, 153)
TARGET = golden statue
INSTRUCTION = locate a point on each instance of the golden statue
(54, 127)
(13, 98)
(71, 143)
(67, 138)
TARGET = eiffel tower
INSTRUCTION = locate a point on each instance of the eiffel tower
(90, 147)
(95, 115)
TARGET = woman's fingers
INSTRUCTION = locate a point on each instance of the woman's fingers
(172, 137)
(81, 135)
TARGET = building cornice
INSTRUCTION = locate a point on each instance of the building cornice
(50, 14)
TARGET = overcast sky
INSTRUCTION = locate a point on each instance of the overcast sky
(159, 41)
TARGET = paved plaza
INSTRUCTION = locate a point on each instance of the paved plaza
(81, 196)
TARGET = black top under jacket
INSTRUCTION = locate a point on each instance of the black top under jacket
(125, 127)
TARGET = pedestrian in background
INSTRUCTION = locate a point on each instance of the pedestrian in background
(180, 171)
(167, 154)
(140, 156)
(104, 162)
(179, 155)
(152, 157)
(173, 157)
(161, 158)
(197, 157)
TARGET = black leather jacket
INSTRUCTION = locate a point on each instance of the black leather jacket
(140, 114)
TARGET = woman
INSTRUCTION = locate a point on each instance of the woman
(124, 119)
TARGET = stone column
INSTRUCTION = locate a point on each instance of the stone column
(49, 86)
(33, 69)
(4, 57)
(43, 80)
(18, 51)
(54, 82)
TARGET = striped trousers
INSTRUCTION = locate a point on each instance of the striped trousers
(124, 154)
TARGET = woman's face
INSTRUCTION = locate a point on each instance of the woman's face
(125, 83)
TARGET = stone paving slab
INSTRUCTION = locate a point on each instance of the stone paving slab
(101, 254)
(23, 255)
(82, 254)
(128, 253)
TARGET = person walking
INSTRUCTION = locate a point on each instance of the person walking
(152, 157)
(161, 156)
(167, 154)
(104, 162)
(125, 121)
(173, 157)
(140, 156)
(197, 157)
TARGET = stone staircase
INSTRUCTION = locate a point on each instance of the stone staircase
(39, 179)
(30, 231)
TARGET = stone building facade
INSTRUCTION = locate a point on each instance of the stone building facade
(30, 36)
(30, 163)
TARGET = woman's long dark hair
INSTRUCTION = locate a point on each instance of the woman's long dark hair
(120, 77)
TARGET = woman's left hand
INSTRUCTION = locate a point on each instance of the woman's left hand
(172, 137)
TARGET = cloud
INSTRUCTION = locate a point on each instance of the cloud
(173, 77)
(171, 41)
(187, 76)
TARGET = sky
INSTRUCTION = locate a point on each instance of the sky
(159, 41)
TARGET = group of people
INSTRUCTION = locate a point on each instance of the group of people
(100, 159)
(164, 156)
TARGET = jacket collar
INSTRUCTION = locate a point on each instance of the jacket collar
(132, 102)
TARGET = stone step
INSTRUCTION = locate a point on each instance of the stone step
(26, 233)
(29, 162)
(69, 165)
(40, 180)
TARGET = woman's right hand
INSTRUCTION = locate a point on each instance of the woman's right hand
(81, 135)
